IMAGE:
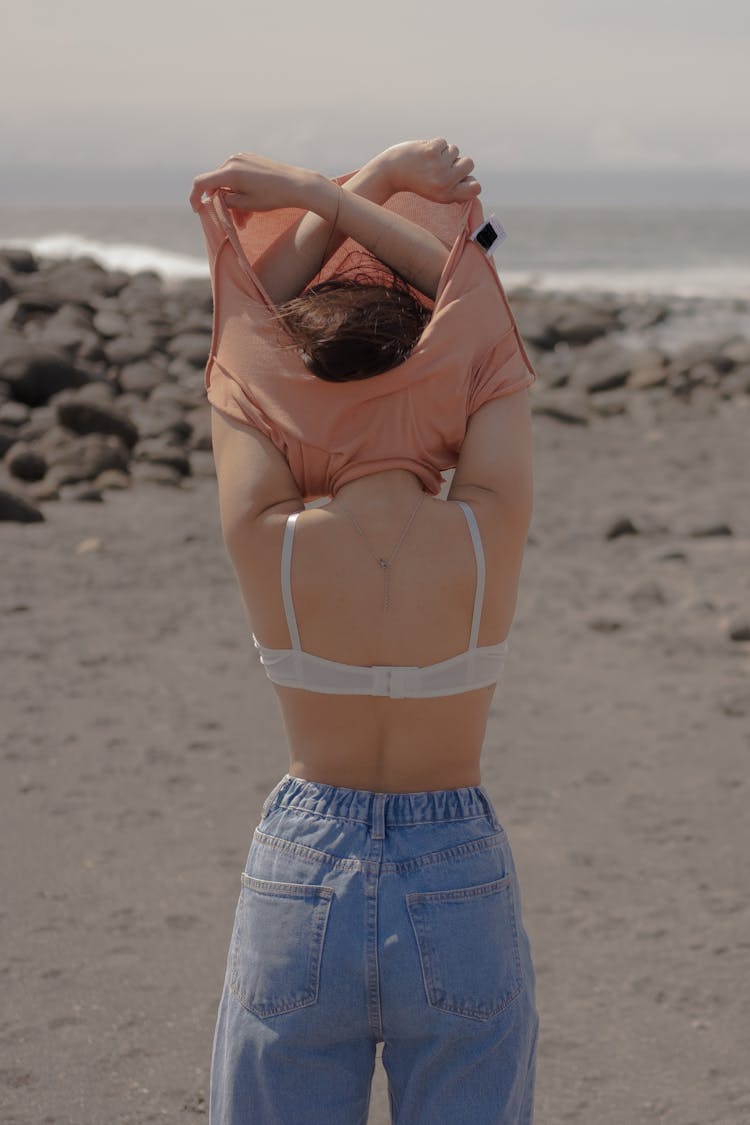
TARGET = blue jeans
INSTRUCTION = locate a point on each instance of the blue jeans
(368, 917)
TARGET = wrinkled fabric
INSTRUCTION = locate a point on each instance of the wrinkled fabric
(413, 416)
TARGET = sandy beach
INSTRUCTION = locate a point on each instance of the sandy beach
(140, 738)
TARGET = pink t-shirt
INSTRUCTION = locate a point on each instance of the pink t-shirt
(414, 415)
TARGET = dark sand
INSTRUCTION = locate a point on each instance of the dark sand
(140, 737)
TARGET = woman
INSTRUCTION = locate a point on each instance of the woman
(379, 899)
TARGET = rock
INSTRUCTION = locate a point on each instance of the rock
(54, 438)
(85, 492)
(739, 629)
(46, 489)
(97, 418)
(534, 325)
(85, 457)
(602, 367)
(704, 374)
(607, 403)
(193, 293)
(7, 288)
(652, 525)
(580, 322)
(18, 509)
(90, 351)
(710, 531)
(156, 451)
(623, 525)
(179, 369)
(563, 405)
(141, 377)
(25, 463)
(8, 437)
(43, 418)
(554, 368)
(35, 374)
(98, 390)
(190, 318)
(638, 316)
(736, 383)
(14, 413)
(78, 280)
(176, 395)
(163, 419)
(67, 338)
(24, 309)
(18, 259)
(141, 294)
(113, 479)
(685, 359)
(648, 370)
(191, 346)
(605, 624)
(109, 322)
(156, 472)
(128, 402)
(131, 347)
(737, 351)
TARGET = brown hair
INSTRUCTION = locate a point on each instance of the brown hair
(353, 328)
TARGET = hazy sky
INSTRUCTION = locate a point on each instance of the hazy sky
(135, 97)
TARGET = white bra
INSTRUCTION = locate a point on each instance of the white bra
(291, 667)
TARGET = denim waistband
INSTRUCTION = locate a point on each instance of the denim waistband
(379, 809)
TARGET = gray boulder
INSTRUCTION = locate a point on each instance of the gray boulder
(85, 457)
(25, 463)
(96, 418)
(16, 508)
(36, 373)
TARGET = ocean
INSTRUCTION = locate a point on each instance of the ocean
(635, 251)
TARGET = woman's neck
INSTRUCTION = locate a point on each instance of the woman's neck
(389, 490)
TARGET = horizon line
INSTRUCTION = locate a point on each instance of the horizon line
(549, 185)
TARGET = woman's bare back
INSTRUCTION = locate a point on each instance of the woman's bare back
(370, 742)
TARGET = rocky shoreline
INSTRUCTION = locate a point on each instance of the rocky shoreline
(101, 372)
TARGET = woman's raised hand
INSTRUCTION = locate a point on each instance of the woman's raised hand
(252, 183)
(433, 169)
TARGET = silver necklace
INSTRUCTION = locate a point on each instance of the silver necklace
(382, 562)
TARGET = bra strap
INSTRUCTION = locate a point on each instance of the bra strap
(476, 540)
(286, 580)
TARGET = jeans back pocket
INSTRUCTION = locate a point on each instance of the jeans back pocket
(468, 946)
(277, 944)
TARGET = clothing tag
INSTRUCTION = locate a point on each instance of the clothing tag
(490, 235)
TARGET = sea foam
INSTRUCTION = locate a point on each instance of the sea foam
(129, 256)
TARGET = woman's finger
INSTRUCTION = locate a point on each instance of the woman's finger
(467, 188)
(210, 181)
(238, 200)
(462, 168)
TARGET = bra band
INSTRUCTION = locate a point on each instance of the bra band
(286, 576)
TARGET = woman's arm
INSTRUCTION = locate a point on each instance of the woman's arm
(430, 168)
(495, 465)
(293, 260)
(415, 253)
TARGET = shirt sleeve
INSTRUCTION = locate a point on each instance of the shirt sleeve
(505, 367)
